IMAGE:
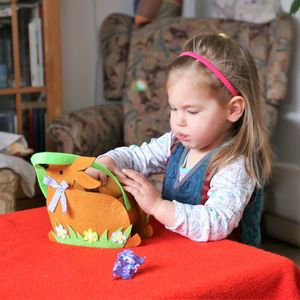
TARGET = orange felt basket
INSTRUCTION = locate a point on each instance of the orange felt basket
(81, 211)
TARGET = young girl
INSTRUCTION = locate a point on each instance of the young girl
(216, 157)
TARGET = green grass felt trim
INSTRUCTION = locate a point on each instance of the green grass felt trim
(76, 239)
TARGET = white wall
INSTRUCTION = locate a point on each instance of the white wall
(81, 62)
(286, 142)
(78, 53)
(80, 22)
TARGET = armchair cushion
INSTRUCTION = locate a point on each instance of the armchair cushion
(155, 9)
(89, 131)
(134, 62)
(115, 35)
(152, 47)
(8, 188)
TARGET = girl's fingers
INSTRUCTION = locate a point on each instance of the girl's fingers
(130, 190)
(93, 173)
(103, 178)
(133, 179)
(119, 174)
(136, 176)
(131, 183)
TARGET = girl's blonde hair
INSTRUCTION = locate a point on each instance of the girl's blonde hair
(250, 136)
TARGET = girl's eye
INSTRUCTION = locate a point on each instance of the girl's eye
(193, 112)
(173, 109)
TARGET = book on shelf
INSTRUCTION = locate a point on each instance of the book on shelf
(8, 121)
(38, 23)
(3, 76)
(5, 12)
(24, 17)
(34, 128)
(30, 41)
(39, 125)
(36, 47)
(6, 56)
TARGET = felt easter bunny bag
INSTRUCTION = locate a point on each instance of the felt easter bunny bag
(82, 212)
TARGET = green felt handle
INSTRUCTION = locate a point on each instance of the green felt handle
(57, 158)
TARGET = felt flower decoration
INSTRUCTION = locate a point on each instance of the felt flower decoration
(90, 236)
(61, 232)
(118, 237)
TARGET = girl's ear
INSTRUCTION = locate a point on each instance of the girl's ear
(236, 107)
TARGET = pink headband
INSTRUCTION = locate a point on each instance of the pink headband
(213, 68)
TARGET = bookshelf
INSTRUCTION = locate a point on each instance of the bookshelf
(30, 67)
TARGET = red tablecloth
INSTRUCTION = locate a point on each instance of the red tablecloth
(32, 267)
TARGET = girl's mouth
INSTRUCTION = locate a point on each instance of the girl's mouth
(182, 137)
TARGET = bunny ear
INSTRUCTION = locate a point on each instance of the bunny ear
(82, 163)
(85, 180)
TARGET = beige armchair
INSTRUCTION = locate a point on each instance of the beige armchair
(134, 69)
(18, 188)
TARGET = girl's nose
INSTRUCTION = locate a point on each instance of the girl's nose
(180, 119)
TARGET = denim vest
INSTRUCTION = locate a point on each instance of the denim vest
(190, 190)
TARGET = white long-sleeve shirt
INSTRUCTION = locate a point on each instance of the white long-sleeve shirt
(230, 190)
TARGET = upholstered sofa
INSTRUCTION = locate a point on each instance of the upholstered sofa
(134, 68)
(18, 187)
(8, 190)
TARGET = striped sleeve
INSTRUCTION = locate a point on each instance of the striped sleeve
(149, 158)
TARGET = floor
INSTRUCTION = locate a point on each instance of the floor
(282, 248)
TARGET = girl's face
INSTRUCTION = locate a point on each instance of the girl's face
(198, 120)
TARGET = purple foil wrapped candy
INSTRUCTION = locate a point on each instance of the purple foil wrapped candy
(126, 264)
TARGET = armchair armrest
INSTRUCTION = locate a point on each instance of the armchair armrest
(88, 132)
(114, 41)
(280, 53)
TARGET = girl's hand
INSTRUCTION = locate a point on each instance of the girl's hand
(110, 164)
(145, 194)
